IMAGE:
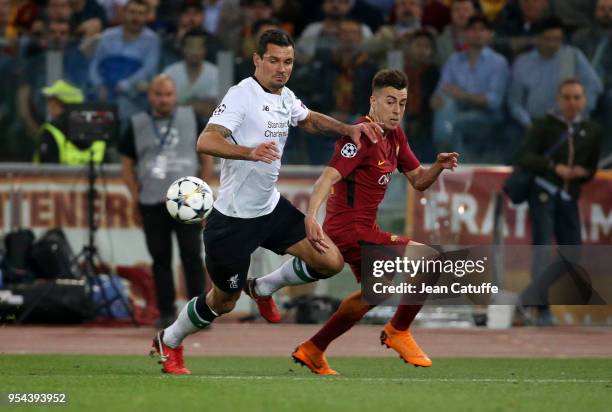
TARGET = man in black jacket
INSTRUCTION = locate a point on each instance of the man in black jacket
(562, 150)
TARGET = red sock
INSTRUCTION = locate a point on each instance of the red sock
(404, 315)
(350, 312)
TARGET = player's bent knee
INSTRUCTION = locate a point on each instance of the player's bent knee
(333, 265)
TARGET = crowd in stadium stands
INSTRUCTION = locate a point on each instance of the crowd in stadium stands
(480, 71)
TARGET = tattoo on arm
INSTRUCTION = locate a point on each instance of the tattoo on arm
(318, 123)
(218, 129)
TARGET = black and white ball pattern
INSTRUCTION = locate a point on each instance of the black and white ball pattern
(189, 199)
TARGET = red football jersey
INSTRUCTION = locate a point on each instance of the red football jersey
(366, 172)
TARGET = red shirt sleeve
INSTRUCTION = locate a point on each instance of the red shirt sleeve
(346, 157)
(406, 160)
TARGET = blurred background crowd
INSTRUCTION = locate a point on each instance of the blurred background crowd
(480, 71)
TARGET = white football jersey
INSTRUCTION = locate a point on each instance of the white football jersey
(254, 116)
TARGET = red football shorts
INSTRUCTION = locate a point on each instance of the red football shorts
(350, 244)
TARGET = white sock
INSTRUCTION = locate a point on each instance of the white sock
(187, 323)
(292, 272)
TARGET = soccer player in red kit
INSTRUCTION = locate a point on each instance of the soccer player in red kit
(356, 180)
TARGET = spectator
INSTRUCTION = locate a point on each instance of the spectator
(553, 203)
(56, 146)
(536, 75)
(322, 36)
(22, 16)
(191, 17)
(244, 66)
(284, 12)
(385, 6)
(113, 10)
(9, 144)
(452, 38)
(57, 10)
(423, 76)
(468, 100)
(436, 14)
(288, 13)
(408, 14)
(157, 20)
(7, 35)
(195, 79)
(337, 83)
(515, 30)
(595, 44)
(224, 19)
(257, 10)
(157, 148)
(574, 13)
(492, 8)
(363, 12)
(60, 59)
(125, 59)
(87, 17)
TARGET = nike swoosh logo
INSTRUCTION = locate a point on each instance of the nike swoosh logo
(381, 162)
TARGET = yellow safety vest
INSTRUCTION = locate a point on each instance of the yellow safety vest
(69, 153)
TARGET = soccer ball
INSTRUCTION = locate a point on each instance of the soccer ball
(189, 200)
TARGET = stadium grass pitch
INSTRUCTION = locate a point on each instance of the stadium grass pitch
(118, 383)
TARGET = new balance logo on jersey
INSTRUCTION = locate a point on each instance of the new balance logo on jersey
(265, 108)
(233, 282)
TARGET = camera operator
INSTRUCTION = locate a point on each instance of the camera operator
(56, 146)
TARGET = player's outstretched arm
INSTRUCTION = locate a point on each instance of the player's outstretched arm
(421, 178)
(213, 141)
(314, 231)
(318, 123)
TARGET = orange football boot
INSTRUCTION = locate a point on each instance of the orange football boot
(403, 343)
(307, 354)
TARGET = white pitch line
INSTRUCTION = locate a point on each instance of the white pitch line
(346, 378)
(383, 380)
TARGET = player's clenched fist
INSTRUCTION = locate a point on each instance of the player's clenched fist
(265, 152)
(314, 233)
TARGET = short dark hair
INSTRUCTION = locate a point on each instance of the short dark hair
(194, 33)
(273, 36)
(192, 4)
(570, 81)
(550, 23)
(389, 78)
(479, 18)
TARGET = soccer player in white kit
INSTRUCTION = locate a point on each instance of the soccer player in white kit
(248, 130)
